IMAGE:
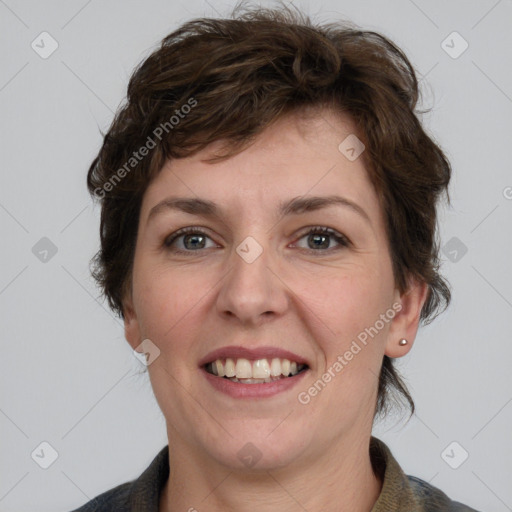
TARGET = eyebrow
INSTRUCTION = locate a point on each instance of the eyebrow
(294, 206)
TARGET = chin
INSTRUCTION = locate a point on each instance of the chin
(262, 448)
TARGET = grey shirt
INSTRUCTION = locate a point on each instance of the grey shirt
(400, 493)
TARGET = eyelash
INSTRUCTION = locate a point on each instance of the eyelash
(321, 230)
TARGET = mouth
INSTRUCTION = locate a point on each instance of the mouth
(258, 371)
(253, 373)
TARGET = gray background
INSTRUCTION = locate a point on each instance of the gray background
(69, 378)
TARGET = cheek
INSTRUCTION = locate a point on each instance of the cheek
(171, 310)
(351, 340)
(168, 303)
(162, 298)
(347, 305)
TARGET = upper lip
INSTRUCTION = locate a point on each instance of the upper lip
(238, 351)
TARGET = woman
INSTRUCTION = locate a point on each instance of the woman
(268, 236)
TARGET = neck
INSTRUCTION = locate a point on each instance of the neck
(339, 480)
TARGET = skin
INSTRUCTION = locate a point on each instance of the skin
(312, 302)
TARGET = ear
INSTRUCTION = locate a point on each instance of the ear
(406, 321)
(131, 323)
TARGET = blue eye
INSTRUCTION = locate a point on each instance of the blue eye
(321, 238)
(194, 239)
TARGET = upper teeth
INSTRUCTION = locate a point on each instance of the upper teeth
(259, 369)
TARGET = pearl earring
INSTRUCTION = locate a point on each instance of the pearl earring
(402, 342)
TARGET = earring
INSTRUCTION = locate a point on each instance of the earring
(402, 342)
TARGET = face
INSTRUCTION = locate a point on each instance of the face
(251, 286)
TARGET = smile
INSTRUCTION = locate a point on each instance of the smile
(259, 371)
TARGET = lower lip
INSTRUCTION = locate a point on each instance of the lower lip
(263, 390)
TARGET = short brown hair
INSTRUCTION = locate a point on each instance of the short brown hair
(236, 76)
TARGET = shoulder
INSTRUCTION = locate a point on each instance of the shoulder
(116, 499)
(405, 493)
(142, 493)
(433, 499)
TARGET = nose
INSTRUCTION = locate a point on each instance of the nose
(252, 291)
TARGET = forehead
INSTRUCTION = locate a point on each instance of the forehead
(299, 155)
